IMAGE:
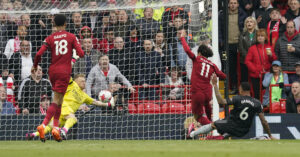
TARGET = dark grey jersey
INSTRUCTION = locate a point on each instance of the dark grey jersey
(244, 109)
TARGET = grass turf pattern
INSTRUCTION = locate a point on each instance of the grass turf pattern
(151, 148)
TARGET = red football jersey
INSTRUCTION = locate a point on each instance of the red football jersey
(202, 70)
(61, 44)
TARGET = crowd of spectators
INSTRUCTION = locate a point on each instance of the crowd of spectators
(141, 46)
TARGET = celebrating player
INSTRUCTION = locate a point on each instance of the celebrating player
(201, 89)
(74, 97)
(240, 118)
(61, 44)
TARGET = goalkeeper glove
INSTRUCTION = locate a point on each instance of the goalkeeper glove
(111, 103)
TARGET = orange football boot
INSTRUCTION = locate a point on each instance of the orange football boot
(56, 135)
(41, 129)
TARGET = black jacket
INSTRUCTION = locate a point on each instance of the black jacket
(291, 106)
(30, 92)
(265, 14)
(289, 15)
(288, 59)
(124, 60)
(15, 66)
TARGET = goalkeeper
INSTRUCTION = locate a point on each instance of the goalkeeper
(74, 97)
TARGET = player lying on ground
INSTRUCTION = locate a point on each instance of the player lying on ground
(240, 118)
(74, 97)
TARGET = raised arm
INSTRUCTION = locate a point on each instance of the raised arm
(111, 103)
(214, 81)
(186, 47)
(219, 73)
(91, 101)
(39, 54)
(77, 46)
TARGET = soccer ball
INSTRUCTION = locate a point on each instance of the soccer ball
(105, 96)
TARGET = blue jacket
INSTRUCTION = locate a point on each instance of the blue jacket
(8, 108)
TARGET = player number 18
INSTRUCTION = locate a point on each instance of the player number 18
(61, 47)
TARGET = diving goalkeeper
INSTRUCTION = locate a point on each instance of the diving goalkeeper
(74, 97)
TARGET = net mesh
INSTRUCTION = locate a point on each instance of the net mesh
(140, 38)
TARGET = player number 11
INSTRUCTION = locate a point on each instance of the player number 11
(207, 66)
(61, 47)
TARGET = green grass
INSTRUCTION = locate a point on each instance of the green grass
(167, 148)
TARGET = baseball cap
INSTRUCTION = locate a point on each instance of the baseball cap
(276, 63)
(297, 63)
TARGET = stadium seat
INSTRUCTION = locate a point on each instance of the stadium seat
(148, 108)
(132, 108)
(188, 108)
(278, 107)
(173, 108)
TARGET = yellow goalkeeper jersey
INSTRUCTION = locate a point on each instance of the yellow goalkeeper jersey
(73, 98)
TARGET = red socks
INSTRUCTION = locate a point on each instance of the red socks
(208, 111)
(50, 112)
(56, 116)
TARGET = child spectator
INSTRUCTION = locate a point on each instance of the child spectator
(275, 27)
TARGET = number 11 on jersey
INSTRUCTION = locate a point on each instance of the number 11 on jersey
(207, 66)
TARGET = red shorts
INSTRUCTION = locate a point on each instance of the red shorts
(200, 99)
(59, 81)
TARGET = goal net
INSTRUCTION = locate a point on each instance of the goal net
(140, 38)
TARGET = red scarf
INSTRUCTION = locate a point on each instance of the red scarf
(17, 44)
(173, 14)
(275, 33)
(43, 111)
(289, 38)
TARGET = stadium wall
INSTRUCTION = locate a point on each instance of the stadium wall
(141, 127)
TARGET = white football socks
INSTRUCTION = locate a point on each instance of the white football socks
(202, 130)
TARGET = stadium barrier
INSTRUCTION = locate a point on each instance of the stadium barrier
(179, 106)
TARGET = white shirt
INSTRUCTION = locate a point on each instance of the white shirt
(10, 48)
(27, 63)
(297, 23)
(93, 21)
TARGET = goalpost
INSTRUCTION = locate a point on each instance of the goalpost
(114, 26)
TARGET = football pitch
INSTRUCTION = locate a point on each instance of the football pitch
(151, 148)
